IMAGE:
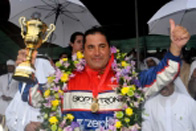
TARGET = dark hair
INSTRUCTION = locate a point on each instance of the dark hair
(93, 30)
(66, 53)
(73, 36)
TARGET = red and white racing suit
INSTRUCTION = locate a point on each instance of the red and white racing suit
(88, 84)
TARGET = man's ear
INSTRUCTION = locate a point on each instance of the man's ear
(71, 44)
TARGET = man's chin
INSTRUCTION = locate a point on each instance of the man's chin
(97, 67)
(164, 92)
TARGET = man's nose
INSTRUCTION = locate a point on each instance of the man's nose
(97, 51)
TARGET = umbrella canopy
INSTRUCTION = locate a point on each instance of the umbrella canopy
(69, 16)
(183, 12)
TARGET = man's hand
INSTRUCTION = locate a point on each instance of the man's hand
(32, 126)
(179, 37)
(22, 54)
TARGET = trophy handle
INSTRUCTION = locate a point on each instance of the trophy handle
(22, 21)
(51, 28)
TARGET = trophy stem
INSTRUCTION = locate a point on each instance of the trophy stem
(29, 54)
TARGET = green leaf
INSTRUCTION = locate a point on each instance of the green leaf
(60, 129)
(54, 108)
(119, 114)
(54, 127)
(58, 64)
(130, 93)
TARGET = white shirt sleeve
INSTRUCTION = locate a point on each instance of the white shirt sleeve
(146, 123)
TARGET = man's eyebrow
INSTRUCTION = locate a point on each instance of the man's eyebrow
(103, 44)
(90, 45)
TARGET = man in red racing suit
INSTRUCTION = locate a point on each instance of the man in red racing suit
(94, 83)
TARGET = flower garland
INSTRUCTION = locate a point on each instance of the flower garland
(129, 90)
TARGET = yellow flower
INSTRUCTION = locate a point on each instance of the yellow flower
(64, 77)
(118, 124)
(64, 59)
(70, 117)
(56, 95)
(60, 92)
(125, 90)
(50, 79)
(129, 111)
(55, 102)
(80, 55)
(124, 63)
(127, 120)
(53, 120)
(46, 93)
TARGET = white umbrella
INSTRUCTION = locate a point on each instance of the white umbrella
(183, 12)
(68, 16)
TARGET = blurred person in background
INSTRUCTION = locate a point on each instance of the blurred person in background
(150, 62)
(192, 80)
(172, 109)
(76, 42)
(8, 88)
(185, 67)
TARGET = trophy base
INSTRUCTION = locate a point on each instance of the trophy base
(23, 79)
(25, 73)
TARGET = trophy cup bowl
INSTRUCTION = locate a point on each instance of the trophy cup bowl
(35, 31)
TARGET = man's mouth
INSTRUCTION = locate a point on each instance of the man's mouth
(97, 59)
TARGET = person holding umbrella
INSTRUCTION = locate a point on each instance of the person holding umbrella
(76, 42)
(98, 70)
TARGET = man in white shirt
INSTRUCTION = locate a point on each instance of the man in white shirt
(8, 87)
(171, 110)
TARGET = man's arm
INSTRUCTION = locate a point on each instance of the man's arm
(31, 93)
(161, 75)
(168, 69)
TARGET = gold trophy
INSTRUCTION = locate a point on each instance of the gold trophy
(35, 31)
